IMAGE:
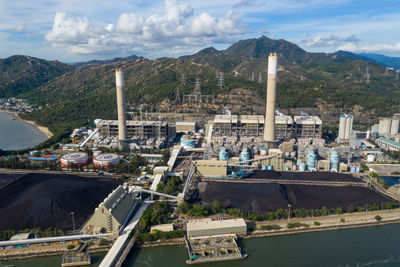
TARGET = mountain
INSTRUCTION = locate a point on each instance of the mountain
(20, 74)
(326, 84)
(357, 56)
(105, 61)
(393, 62)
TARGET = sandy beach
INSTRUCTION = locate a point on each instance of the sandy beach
(43, 129)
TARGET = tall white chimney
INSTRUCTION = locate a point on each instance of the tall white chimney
(121, 107)
(269, 126)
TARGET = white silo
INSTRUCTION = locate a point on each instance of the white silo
(342, 126)
(384, 126)
(394, 127)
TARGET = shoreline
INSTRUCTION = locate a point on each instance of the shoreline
(42, 129)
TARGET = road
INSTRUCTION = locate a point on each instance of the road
(334, 219)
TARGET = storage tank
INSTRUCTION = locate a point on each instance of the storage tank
(347, 131)
(187, 142)
(263, 151)
(73, 159)
(223, 154)
(264, 167)
(311, 160)
(269, 168)
(334, 161)
(293, 154)
(97, 121)
(394, 128)
(244, 155)
(106, 161)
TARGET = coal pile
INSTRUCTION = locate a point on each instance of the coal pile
(6, 178)
(46, 200)
(261, 198)
(305, 176)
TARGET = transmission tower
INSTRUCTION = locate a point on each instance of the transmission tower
(387, 71)
(259, 77)
(252, 77)
(221, 79)
(183, 80)
(367, 76)
(397, 75)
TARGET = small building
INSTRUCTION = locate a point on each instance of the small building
(208, 227)
(212, 167)
(112, 213)
(324, 165)
(152, 158)
(22, 236)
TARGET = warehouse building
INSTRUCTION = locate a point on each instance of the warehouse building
(112, 213)
(208, 227)
(388, 144)
(137, 129)
(209, 168)
(186, 126)
(307, 127)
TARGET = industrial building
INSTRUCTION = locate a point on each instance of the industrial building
(388, 144)
(389, 126)
(208, 227)
(250, 128)
(185, 126)
(137, 129)
(345, 128)
(112, 213)
(209, 168)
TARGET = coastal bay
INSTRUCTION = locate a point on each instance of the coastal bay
(18, 134)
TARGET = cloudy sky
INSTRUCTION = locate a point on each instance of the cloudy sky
(79, 30)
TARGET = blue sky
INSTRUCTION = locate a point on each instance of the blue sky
(79, 30)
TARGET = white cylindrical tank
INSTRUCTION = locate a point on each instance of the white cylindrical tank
(384, 126)
(73, 159)
(334, 160)
(263, 151)
(348, 128)
(106, 160)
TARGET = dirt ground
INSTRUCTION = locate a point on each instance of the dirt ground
(46, 200)
(308, 176)
(261, 198)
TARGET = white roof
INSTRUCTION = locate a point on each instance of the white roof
(307, 120)
(188, 123)
(252, 119)
(283, 119)
(21, 236)
(133, 123)
(208, 224)
(226, 118)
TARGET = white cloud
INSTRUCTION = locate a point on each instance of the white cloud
(18, 28)
(332, 40)
(377, 48)
(177, 29)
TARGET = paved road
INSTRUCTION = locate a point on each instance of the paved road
(356, 216)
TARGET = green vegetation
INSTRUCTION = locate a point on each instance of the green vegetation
(133, 166)
(69, 247)
(395, 173)
(270, 227)
(215, 207)
(317, 223)
(104, 242)
(378, 218)
(383, 183)
(293, 225)
(342, 220)
(158, 214)
(172, 187)
(157, 235)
